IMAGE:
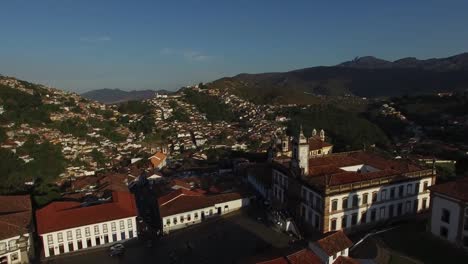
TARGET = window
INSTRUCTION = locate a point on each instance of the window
(104, 228)
(78, 233)
(174, 220)
(399, 209)
(333, 224)
(373, 215)
(383, 195)
(364, 198)
(409, 188)
(364, 217)
(168, 221)
(211, 211)
(353, 219)
(60, 237)
(96, 230)
(345, 203)
(416, 188)
(424, 203)
(382, 213)
(69, 235)
(443, 232)
(317, 221)
(50, 240)
(189, 217)
(408, 207)
(12, 244)
(196, 215)
(87, 232)
(318, 203)
(400, 190)
(14, 257)
(130, 234)
(392, 193)
(425, 185)
(2, 247)
(391, 210)
(334, 205)
(374, 197)
(355, 201)
(129, 223)
(122, 225)
(344, 221)
(113, 227)
(445, 216)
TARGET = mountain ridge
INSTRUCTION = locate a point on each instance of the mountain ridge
(115, 95)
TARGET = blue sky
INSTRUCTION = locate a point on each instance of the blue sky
(80, 45)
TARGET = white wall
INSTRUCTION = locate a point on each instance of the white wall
(280, 185)
(323, 256)
(14, 250)
(439, 203)
(383, 201)
(231, 206)
(73, 246)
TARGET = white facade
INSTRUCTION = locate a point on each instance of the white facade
(445, 218)
(378, 203)
(178, 221)
(280, 186)
(311, 207)
(10, 250)
(88, 236)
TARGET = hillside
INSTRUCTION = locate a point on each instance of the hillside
(112, 96)
(364, 77)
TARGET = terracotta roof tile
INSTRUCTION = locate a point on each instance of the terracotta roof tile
(63, 215)
(304, 256)
(15, 215)
(456, 189)
(334, 243)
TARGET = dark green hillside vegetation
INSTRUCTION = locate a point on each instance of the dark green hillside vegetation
(134, 107)
(22, 107)
(47, 164)
(346, 130)
(210, 105)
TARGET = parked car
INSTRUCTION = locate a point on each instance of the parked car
(116, 250)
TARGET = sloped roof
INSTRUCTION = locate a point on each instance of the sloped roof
(182, 200)
(456, 189)
(304, 256)
(334, 243)
(63, 215)
(15, 215)
(157, 159)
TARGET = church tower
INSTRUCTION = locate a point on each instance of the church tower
(301, 153)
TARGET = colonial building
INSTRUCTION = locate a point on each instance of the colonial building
(345, 190)
(182, 207)
(449, 211)
(70, 226)
(158, 160)
(16, 228)
(316, 145)
(332, 247)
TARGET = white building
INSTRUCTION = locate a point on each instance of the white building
(449, 211)
(182, 207)
(69, 226)
(346, 190)
(16, 228)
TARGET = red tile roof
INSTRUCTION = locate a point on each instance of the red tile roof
(345, 260)
(157, 159)
(15, 215)
(456, 189)
(327, 170)
(182, 200)
(63, 215)
(304, 256)
(334, 243)
(316, 143)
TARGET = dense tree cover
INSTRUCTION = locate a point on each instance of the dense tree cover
(159, 135)
(107, 129)
(98, 157)
(178, 113)
(145, 125)
(73, 126)
(347, 130)
(47, 164)
(3, 135)
(22, 107)
(210, 105)
(134, 107)
(392, 126)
